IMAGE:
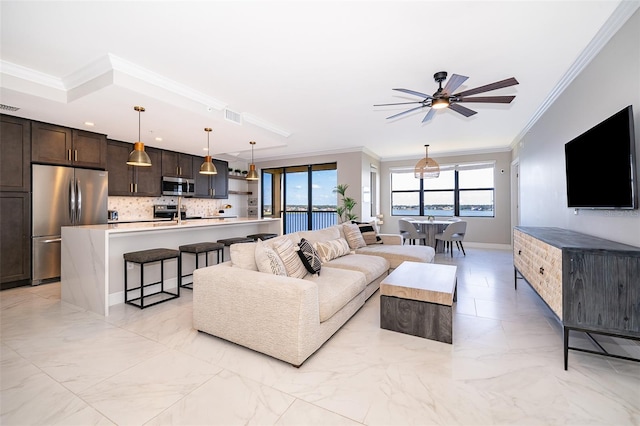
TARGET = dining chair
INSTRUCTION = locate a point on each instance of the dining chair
(410, 232)
(453, 232)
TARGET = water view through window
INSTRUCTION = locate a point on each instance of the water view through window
(303, 196)
(473, 195)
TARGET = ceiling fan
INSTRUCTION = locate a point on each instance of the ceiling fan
(443, 97)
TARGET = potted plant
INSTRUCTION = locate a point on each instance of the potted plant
(237, 172)
(245, 173)
(345, 211)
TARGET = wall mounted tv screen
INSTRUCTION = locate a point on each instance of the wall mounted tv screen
(600, 165)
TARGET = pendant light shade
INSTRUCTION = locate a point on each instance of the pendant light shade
(138, 157)
(427, 168)
(253, 174)
(208, 168)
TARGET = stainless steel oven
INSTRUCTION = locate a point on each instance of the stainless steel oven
(178, 186)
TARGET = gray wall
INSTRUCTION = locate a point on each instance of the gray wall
(608, 84)
(486, 230)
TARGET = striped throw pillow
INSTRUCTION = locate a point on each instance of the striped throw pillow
(353, 235)
(285, 249)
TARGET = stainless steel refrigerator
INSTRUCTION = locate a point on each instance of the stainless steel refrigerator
(62, 196)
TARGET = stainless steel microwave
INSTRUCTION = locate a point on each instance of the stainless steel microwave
(178, 186)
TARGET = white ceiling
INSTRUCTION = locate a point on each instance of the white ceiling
(304, 74)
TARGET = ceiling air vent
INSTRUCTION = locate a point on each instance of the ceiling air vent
(233, 116)
(4, 107)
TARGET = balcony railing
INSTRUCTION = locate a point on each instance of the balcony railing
(295, 221)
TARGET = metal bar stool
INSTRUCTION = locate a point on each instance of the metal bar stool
(142, 258)
(263, 236)
(197, 249)
(235, 240)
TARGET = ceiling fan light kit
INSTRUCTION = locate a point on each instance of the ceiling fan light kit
(208, 168)
(138, 157)
(427, 168)
(445, 98)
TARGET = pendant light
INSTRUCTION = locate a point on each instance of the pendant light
(253, 174)
(427, 168)
(138, 157)
(208, 168)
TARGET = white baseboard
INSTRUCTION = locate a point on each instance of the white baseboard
(488, 246)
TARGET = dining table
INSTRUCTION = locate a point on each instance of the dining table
(431, 228)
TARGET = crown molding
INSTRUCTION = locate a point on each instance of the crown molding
(31, 75)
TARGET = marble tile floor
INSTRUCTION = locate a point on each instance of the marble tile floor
(64, 366)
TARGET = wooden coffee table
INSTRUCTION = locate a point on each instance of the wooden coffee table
(417, 298)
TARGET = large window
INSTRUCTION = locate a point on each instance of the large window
(461, 190)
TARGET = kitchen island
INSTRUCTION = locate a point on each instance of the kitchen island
(92, 264)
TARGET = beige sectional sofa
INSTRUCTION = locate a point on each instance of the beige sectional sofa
(286, 317)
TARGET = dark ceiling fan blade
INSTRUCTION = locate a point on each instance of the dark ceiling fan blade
(400, 103)
(454, 82)
(413, 92)
(429, 115)
(493, 86)
(488, 99)
(405, 112)
(462, 110)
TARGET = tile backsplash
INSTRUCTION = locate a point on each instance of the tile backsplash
(141, 208)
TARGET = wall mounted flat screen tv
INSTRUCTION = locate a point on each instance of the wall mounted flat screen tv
(601, 165)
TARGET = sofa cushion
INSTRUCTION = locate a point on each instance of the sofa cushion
(396, 254)
(243, 255)
(333, 249)
(321, 235)
(286, 250)
(336, 288)
(268, 260)
(371, 266)
(353, 236)
(309, 257)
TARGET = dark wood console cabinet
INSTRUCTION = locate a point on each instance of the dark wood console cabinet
(591, 284)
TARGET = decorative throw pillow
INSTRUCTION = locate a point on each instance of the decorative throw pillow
(369, 233)
(353, 236)
(285, 249)
(243, 256)
(329, 250)
(309, 257)
(268, 260)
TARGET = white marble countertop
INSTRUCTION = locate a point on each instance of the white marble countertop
(114, 228)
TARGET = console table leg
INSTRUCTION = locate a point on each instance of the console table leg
(515, 278)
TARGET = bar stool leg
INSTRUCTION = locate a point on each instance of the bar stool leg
(142, 286)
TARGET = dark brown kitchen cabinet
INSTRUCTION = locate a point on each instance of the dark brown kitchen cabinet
(177, 164)
(51, 144)
(221, 184)
(211, 186)
(125, 180)
(15, 244)
(15, 154)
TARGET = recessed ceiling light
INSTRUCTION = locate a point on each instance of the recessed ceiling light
(89, 123)
(159, 139)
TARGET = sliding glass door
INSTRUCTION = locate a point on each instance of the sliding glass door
(302, 195)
